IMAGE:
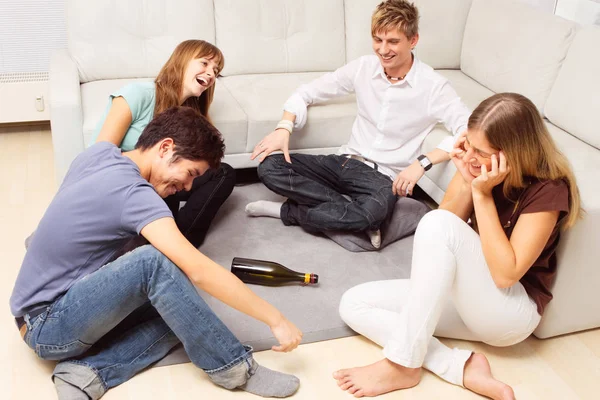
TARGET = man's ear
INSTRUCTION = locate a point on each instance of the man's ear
(165, 146)
(414, 40)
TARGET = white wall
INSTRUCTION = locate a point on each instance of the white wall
(585, 12)
(29, 31)
(544, 5)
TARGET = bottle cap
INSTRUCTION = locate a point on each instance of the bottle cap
(314, 278)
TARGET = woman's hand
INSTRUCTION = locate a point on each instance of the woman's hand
(287, 334)
(279, 139)
(457, 154)
(485, 182)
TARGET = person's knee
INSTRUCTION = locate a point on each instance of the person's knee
(149, 259)
(350, 305)
(228, 176)
(270, 165)
(437, 222)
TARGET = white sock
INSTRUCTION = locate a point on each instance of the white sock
(375, 237)
(264, 208)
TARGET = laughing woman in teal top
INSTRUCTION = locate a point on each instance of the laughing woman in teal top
(188, 78)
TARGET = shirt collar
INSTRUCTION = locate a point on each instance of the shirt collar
(411, 77)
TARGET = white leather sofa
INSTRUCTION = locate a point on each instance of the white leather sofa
(273, 46)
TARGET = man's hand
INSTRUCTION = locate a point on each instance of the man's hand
(287, 334)
(279, 139)
(406, 180)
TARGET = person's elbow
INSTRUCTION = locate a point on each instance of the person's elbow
(506, 278)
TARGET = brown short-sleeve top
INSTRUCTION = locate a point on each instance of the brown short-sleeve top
(538, 196)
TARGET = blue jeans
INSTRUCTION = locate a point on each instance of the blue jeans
(129, 314)
(316, 187)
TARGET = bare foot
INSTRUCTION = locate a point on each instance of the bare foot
(378, 378)
(479, 379)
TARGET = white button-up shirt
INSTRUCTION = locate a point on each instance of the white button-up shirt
(393, 118)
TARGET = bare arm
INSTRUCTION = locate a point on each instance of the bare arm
(218, 282)
(458, 198)
(117, 122)
(508, 260)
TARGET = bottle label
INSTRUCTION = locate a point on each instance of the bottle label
(306, 278)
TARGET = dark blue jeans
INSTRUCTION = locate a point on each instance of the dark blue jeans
(126, 316)
(316, 187)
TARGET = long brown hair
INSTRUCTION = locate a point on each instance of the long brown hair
(512, 123)
(169, 81)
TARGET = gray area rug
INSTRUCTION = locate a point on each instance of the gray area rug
(314, 309)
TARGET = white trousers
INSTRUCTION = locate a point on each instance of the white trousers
(450, 294)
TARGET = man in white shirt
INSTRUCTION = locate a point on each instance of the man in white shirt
(399, 98)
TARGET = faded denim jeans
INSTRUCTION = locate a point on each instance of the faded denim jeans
(329, 192)
(126, 316)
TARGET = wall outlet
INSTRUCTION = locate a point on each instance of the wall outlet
(39, 103)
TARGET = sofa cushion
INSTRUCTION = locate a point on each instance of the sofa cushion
(440, 22)
(131, 39)
(263, 36)
(511, 47)
(576, 303)
(227, 116)
(470, 92)
(262, 97)
(574, 101)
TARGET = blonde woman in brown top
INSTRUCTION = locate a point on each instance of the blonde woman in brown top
(488, 281)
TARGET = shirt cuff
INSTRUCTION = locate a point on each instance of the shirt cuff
(296, 105)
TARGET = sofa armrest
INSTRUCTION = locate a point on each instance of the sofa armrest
(66, 115)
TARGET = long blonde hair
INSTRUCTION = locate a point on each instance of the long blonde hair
(169, 81)
(512, 123)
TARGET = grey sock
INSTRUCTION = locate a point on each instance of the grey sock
(264, 208)
(268, 383)
(66, 391)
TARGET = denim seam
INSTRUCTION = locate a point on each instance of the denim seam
(212, 194)
(150, 346)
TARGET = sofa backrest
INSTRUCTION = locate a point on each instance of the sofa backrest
(111, 39)
(510, 47)
(276, 36)
(441, 29)
(574, 102)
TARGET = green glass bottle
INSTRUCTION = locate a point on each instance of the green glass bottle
(268, 273)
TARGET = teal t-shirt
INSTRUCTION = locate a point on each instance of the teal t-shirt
(141, 98)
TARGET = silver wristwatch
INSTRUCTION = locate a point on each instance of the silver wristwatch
(425, 163)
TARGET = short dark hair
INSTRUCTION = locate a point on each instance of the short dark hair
(194, 137)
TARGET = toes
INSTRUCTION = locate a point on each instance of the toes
(346, 385)
(353, 389)
(359, 393)
(341, 373)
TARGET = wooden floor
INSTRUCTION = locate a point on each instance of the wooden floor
(567, 367)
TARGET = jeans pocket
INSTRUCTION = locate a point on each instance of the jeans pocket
(61, 352)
